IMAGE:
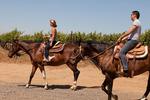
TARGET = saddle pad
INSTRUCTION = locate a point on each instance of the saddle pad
(136, 54)
(140, 49)
(141, 54)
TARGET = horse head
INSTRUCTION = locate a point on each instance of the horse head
(14, 49)
(92, 48)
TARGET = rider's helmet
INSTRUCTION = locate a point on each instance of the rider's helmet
(53, 23)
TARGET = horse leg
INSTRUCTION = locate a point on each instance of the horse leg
(108, 84)
(42, 69)
(147, 90)
(34, 68)
(104, 84)
(76, 73)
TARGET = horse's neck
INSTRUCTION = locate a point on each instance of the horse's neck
(24, 46)
(27, 48)
(103, 60)
(107, 53)
(93, 54)
(100, 47)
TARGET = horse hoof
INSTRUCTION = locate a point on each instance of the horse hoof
(27, 85)
(115, 97)
(46, 87)
(143, 98)
(102, 87)
(73, 88)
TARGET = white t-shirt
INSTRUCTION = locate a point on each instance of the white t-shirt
(136, 34)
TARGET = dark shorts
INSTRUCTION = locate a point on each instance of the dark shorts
(48, 44)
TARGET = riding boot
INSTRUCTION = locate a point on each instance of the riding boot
(45, 56)
(126, 73)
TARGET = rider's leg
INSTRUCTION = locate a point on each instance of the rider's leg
(54, 42)
(127, 47)
(46, 52)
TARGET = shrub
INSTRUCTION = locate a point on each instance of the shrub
(61, 36)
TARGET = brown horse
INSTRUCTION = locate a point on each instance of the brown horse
(70, 55)
(109, 67)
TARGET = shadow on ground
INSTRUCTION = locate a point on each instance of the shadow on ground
(51, 87)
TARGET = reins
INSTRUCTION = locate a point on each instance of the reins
(103, 51)
(24, 48)
(79, 54)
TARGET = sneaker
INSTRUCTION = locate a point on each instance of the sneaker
(45, 60)
(51, 57)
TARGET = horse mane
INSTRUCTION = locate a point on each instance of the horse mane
(93, 42)
(99, 46)
(33, 44)
(30, 41)
(98, 42)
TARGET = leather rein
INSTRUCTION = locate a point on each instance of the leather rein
(103, 51)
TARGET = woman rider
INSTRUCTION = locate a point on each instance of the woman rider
(52, 39)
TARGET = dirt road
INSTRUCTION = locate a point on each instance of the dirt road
(13, 78)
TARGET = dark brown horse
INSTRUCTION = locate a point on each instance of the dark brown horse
(109, 67)
(70, 55)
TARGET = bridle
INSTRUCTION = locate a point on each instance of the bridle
(102, 51)
(79, 54)
(23, 47)
(82, 56)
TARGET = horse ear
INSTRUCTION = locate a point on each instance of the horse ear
(123, 32)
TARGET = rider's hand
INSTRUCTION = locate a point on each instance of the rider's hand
(119, 40)
(50, 41)
(51, 44)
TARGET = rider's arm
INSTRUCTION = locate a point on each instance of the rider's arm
(131, 29)
(53, 32)
(125, 38)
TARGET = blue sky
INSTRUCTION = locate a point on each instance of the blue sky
(107, 16)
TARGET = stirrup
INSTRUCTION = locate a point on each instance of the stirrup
(120, 74)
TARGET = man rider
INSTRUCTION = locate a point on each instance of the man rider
(132, 37)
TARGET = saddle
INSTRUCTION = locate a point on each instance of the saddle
(140, 51)
(58, 47)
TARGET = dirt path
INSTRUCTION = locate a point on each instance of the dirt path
(13, 77)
